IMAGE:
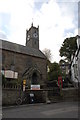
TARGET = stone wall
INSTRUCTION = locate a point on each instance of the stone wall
(70, 94)
(9, 96)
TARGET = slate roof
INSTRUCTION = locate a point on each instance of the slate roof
(6, 45)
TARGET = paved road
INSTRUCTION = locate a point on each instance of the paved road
(55, 110)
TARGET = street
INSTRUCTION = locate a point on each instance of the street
(54, 110)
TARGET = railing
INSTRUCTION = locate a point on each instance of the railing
(11, 86)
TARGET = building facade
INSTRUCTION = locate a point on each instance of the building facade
(78, 56)
(75, 65)
(25, 62)
(65, 67)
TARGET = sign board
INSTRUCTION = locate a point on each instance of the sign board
(10, 74)
(35, 87)
(15, 75)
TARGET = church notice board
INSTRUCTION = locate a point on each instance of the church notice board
(35, 87)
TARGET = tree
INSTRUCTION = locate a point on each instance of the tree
(54, 72)
(47, 53)
(68, 47)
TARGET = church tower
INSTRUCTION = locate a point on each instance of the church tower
(32, 37)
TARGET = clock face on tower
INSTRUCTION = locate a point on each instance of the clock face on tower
(35, 35)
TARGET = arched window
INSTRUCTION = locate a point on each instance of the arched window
(34, 78)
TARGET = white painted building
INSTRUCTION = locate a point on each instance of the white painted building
(78, 56)
(75, 65)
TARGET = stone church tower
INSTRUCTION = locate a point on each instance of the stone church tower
(32, 37)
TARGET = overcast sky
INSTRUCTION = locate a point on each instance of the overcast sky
(57, 20)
